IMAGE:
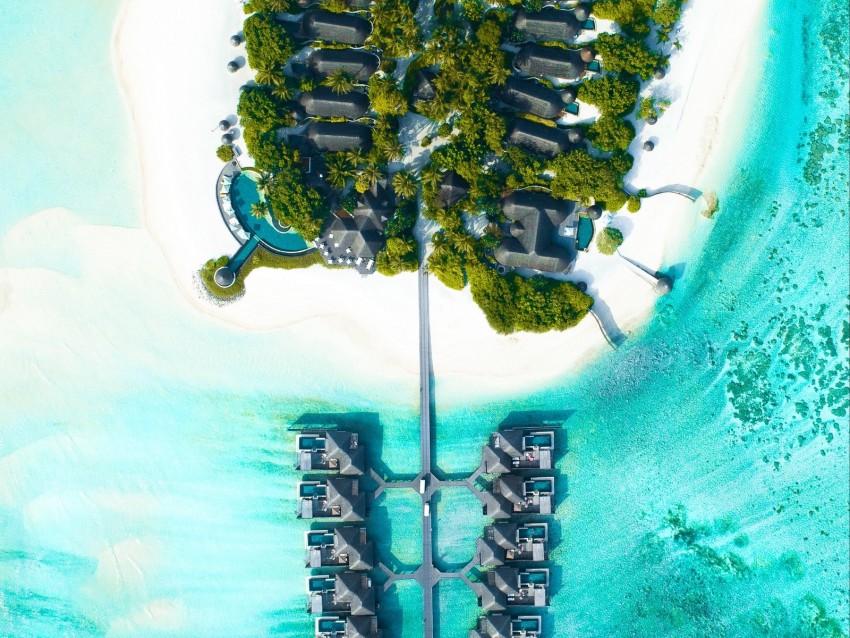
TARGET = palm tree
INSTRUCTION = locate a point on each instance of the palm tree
(498, 75)
(404, 184)
(264, 183)
(370, 175)
(464, 244)
(354, 157)
(339, 82)
(282, 89)
(259, 210)
(267, 74)
(339, 170)
(392, 149)
(277, 6)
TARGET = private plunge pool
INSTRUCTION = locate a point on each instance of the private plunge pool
(282, 240)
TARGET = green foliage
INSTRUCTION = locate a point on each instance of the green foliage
(610, 133)
(633, 16)
(398, 255)
(536, 118)
(388, 66)
(612, 94)
(405, 185)
(633, 204)
(368, 177)
(225, 153)
(339, 82)
(609, 240)
(425, 141)
(446, 264)
(258, 108)
(512, 303)
(270, 6)
(293, 202)
(582, 177)
(394, 29)
(622, 161)
(624, 55)
(651, 107)
(261, 258)
(444, 130)
(307, 84)
(335, 6)
(267, 42)
(526, 169)
(385, 96)
(385, 144)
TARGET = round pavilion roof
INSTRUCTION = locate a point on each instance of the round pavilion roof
(594, 212)
(663, 285)
(648, 145)
(224, 277)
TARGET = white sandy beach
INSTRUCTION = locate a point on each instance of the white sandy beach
(170, 58)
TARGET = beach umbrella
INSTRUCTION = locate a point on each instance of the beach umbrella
(236, 40)
(569, 95)
(587, 54)
(659, 74)
(582, 286)
(581, 12)
(575, 135)
(224, 125)
(648, 145)
(651, 119)
(233, 66)
(226, 139)
(594, 212)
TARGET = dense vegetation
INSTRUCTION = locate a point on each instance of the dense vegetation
(635, 17)
(394, 29)
(609, 240)
(260, 259)
(225, 153)
(401, 252)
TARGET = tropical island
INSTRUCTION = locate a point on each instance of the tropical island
(489, 141)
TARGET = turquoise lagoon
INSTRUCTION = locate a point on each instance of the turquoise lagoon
(142, 478)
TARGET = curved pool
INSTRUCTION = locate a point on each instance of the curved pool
(281, 240)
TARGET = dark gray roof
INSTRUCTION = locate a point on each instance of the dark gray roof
(362, 627)
(494, 463)
(537, 138)
(338, 136)
(345, 448)
(505, 579)
(224, 277)
(359, 65)
(324, 102)
(352, 542)
(548, 24)
(355, 589)
(344, 28)
(361, 234)
(345, 494)
(510, 487)
(493, 626)
(424, 85)
(529, 96)
(535, 59)
(535, 218)
(453, 188)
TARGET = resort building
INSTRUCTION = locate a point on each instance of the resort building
(516, 495)
(350, 627)
(530, 243)
(333, 137)
(537, 138)
(324, 102)
(529, 96)
(344, 593)
(538, 60)
(453, 188)
(332, 498)
(358, 65)
(547, 24)
(354, 239)
(510, 587)
(344, 547)
(332, 451)
(518, 448)
(503, 626)
(508, 542)
(341, 28)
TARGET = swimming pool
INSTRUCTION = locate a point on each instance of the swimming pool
(585, 233)
(274, 237)
(311, 490)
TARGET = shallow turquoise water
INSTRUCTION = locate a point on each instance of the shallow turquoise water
(141, 478)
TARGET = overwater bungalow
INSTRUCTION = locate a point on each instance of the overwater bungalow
(504, 626)
(539, 60)
(357, 64)
(350, 627)
(508, 542)
(510, 587)
(345, 593)
(332, 451)
(344, 547)
(515, 495)
(530, 242)
(342, 28)
(529, 96)
(525, 448)
(336, 497)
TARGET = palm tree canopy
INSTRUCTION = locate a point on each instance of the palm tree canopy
(259, 209)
